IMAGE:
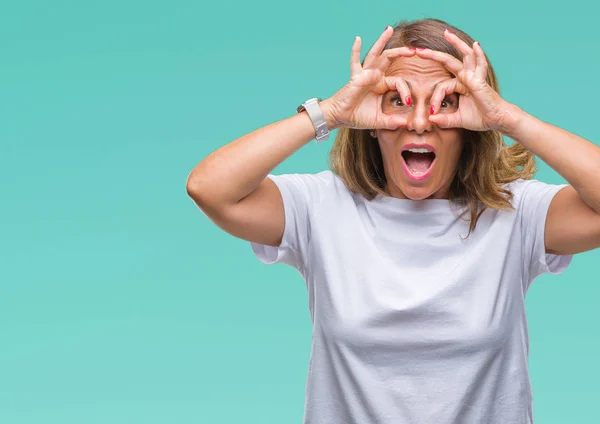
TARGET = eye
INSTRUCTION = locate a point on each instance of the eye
(448, 102)
(396, 101)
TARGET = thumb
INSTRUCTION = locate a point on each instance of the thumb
(446, 121)
(391, 122)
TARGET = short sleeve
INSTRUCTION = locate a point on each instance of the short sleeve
(301, 194)
(534, 201)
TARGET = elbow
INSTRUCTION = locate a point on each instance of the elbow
(203, 193)
(207, 192)
(190, 187)
(193, 187)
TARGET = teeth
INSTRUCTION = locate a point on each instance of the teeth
(419, 150)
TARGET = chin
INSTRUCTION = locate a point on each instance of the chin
(413, 192)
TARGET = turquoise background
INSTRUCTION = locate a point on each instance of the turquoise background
(120, 302)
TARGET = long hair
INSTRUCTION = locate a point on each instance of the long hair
(486, 162)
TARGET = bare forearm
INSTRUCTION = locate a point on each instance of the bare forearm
(235, 170)
(574, 158)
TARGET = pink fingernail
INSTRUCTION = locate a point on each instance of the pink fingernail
(431, 110)
(449, 31)
(420, 49)
(408, 101)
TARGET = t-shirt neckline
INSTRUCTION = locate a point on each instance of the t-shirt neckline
(424, 205)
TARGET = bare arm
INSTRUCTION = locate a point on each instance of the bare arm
(230, 184)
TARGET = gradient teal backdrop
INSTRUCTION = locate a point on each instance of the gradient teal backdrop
(120, 302)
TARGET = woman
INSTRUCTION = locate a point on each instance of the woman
(419, 246)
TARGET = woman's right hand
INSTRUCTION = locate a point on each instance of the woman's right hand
(358, 103)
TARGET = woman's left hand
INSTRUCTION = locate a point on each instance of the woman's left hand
(480, 107)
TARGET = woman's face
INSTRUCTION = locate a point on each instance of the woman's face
(417, 175)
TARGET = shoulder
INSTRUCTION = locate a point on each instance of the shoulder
(318, 178)
(307, 189)
(310, 183)
(524, 188)
(532, 194)
(519, 185)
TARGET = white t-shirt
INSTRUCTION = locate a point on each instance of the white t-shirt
(412, 323)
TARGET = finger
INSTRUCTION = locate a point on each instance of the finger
(378, 46)
(482, 64)
(355, 66)
(457, 42)
(387, 57)
(451, 63)
(470, 62)
(390, 122)
(446, 120)
(398, 84)
(442, 90)
(463, 48)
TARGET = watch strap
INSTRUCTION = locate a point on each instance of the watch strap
(316, 115)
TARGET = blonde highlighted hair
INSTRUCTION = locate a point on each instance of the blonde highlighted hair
(486, 162)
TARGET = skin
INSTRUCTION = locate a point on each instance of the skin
(421, 76)
(573, 221)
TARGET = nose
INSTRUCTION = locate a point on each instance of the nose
(418, 119)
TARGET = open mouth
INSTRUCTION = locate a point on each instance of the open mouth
(418, 162)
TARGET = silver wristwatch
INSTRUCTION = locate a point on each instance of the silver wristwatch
(316, 116)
